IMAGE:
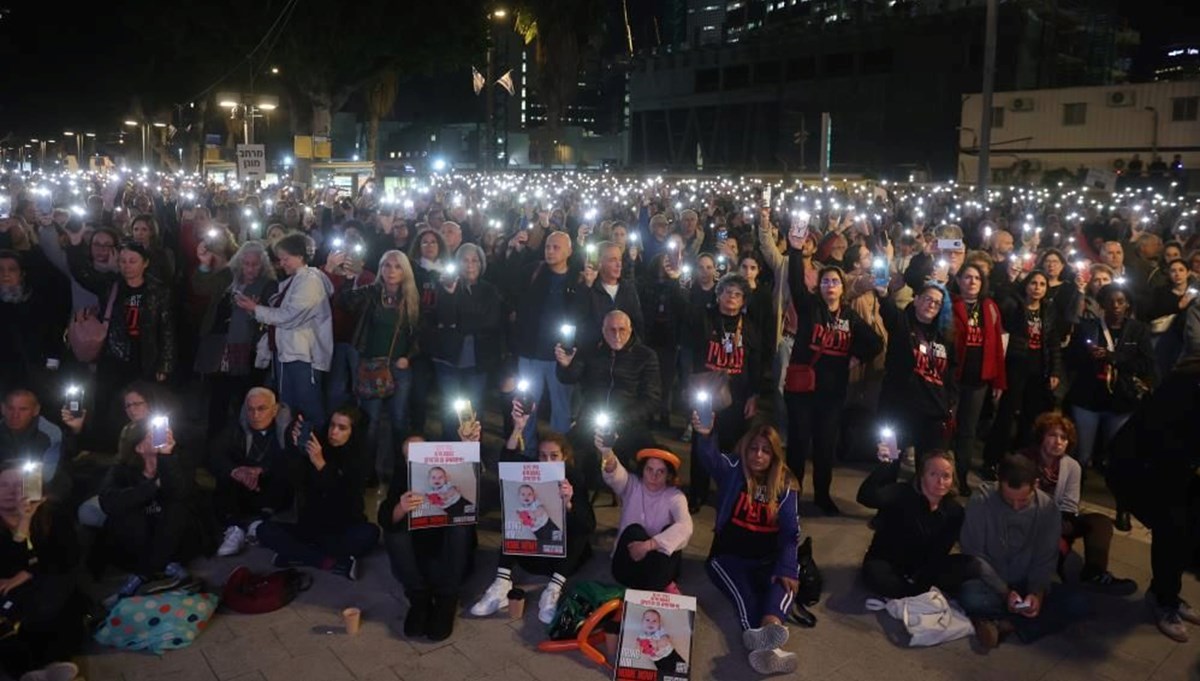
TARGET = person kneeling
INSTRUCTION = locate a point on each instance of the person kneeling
(1014, 527)
(332, 532)
(581, 522)
(757, 532)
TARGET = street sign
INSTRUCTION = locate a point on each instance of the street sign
(251, 162)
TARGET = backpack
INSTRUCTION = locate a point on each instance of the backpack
(253, 594)
(577, 605)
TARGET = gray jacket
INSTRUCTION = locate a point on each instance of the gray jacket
(1020, 546)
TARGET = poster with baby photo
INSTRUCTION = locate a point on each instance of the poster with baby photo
(656, 637)
(446, 475)
(534, 512)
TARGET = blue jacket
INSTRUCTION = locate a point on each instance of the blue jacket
(727, 470)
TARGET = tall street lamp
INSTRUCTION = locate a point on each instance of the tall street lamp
(248, 107)
(135, 124)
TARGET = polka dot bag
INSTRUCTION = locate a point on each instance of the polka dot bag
(164, 621)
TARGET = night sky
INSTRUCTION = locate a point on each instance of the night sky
(79, 70)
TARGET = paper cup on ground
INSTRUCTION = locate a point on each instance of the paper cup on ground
(352, 617)
(516, 603)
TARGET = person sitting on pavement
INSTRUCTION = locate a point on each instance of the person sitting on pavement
(25, 434)
(251, 465)
(757, 532)
(917, 525)
(1061, 477)
(38, 555)
(331, 532)
(655, 524)
(148, 500)
(1014, 528)
(618, 377)
(432, 563)
(581, 523)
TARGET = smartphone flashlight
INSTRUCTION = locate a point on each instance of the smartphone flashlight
(158, 431)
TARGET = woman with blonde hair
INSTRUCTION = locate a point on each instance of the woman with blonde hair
(387, 313)
(757, 532)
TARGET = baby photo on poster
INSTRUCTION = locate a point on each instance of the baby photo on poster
(534, 512)
(656, 637)
(447, 475)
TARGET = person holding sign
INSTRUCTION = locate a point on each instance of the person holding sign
(655, 523)
(580, 524)
(757, 532)
(431, 563)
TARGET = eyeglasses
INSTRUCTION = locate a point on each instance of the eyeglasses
(930, 300)
(139, 403)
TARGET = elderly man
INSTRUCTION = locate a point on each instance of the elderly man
(656, 242)
(548, 297)
(25, 434)
(619, 378)
(32, 319)
(607, 291)
(252, 471)
(695, 241)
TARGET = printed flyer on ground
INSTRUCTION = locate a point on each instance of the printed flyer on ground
(534, 512)
(447, 474)
(656, 637)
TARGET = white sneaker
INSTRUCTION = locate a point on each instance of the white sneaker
(773, 661)
(57, 671)
(234, 542)
(252, 532)
(548, 603)
(495, 598)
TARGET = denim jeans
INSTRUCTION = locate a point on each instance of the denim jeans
(468, 383)
(971, 399)
(339, 388)
(1062, 606)
(540, 373)
(1087, 422)
(397, 409)
(298, 386)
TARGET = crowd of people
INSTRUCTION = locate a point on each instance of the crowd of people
(1008, 347)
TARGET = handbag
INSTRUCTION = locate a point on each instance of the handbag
(802, 378)
(249, 593)
(373, 379)
(87, 332)
(929, 618)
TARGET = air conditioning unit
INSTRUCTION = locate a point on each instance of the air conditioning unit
(1121, 98)
(1021, 104)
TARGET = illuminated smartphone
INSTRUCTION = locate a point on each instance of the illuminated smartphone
(158, 431)
(604, 428)
(524, 399)
(882, 274)
(704, 409)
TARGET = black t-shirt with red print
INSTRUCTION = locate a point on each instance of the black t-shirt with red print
(752, 531)
(919, 368)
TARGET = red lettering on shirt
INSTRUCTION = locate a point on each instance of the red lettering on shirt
(974, 330)
(753, 515)
(1034, 332)
(831, 338)
(133, 315)
(931, 362)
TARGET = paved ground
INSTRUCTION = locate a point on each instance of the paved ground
(848, 644)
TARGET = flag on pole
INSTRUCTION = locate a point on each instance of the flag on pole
(506, 82)
(477, 80)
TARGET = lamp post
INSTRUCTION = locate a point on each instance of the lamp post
(1153, 133)
(249, 107)
(135, 124)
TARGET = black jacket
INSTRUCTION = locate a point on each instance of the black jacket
(156, 318)
(1132, 357)
(127, 490)
(332, 498)
(474, 311)
(744, 359)
(625, 382)
(908, 534)
(600, 304)
(915, 382)
(1049, 356)
(362, 302)
(664, 311)
(530, 288)
(233, 448)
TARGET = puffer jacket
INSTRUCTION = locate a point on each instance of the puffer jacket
(303, 320)
(625, 381)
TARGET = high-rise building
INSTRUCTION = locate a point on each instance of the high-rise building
(891, 74)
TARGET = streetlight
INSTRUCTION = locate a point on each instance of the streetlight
(500, 13)
(142, 127)
(1153, 133)
(249, 107)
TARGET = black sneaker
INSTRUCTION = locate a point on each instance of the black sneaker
(347, 567)
(417, 617)
(1106, 583)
